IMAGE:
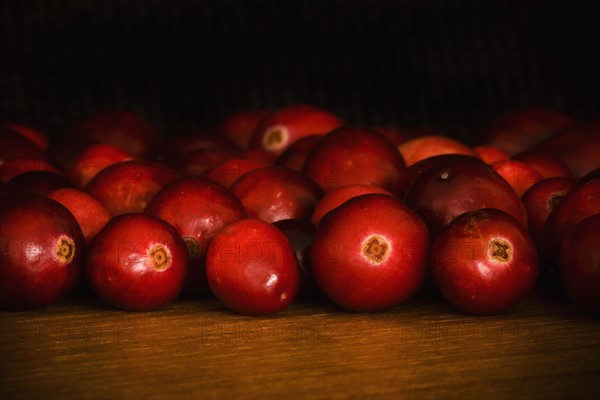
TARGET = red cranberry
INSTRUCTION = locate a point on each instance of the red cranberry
(279, 130)
(580, 202)
(137, 262)
(351, 155)
(412, 172)
(338, 196)
(540, 200)
(275, 193)
(460, 185)
(252, 269)
(519, 175)
(239, 126)
(199, 209)
(578, 147)
(128, 186)
(124, 129)
(545, 164)
(92, 160)
(490, 154)
(295, 155)
(230, 171)
(484, 262)
(89, 213)
(199, 161)
(300, 234)
(370, 253)
(419, 148)
(578, 263)
(41, 247)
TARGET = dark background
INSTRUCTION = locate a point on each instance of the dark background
(452, 64)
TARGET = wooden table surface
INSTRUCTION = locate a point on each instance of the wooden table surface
(79, 348)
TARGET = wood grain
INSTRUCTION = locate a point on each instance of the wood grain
(80, 348)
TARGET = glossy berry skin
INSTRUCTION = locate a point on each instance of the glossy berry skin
(577, 146)
(137, 262)
(352, 155)
(198, 209)
(89, 213)
(460, 185)
(41, 252)
(277, 131)
(484, 262)
(122, 128)
(519, 175)
(92, 160)
(540, 200)
(276, 193)
(239, 126)
(252, 269)
(339, 196)
(227, 172)
(370, 253)
(128, 186)
(420, 148)
(301, 234)
(579, 264)
(580, 202)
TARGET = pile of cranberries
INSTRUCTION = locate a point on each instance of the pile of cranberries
(270, 206)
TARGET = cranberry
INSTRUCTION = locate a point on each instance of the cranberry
(350, 155)
(279, 130)
(230, 171)
(239, 126)
(519, 175)
(419, 148)
(89, 213)
(301, 235)
(577, 146)
(540, 200)
(174, 149)
(128, 186)
(199, 161)
(295, 155)
(137, 262)
(199, 209)
(275, 193)
(370, 253)
(545, 164)
(460, 185)
(490, 154)
(121, 128)
(41, 247)
(411, 173)
(339, 196)
(252, 269)
(484, 262)
(92, 160)
(579, 260)
(580, 202)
